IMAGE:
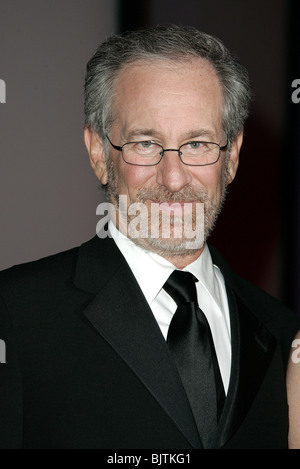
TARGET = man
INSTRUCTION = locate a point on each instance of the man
(106, 346)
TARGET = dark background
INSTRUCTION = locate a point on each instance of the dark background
(48, 194)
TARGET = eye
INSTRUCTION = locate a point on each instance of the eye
(145, 145)
(195, 145)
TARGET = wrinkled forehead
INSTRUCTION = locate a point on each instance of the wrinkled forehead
(167, 84)
(140, 74)
(200, 66)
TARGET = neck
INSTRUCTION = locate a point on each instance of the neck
(179, 259)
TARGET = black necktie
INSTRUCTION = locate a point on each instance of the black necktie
(191, 344)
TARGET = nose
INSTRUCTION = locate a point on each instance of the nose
(172, 173)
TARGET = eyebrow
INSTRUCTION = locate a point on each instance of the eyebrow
(149, 132)
(139, 133)
(199, 133)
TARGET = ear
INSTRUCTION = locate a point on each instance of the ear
(233, 161)
(94, 146)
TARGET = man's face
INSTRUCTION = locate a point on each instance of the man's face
(170, 104)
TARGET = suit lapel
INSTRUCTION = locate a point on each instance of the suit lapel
(253, 348)
(120, 313)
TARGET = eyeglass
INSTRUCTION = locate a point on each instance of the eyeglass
(148, 153)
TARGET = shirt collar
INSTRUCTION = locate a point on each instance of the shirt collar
(152, 271)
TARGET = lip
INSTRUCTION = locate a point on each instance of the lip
(174, 207)
(159, 202)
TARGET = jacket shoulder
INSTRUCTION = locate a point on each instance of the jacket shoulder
(19, 278)
(277, 317)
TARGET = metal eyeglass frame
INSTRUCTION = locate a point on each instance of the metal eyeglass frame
(120, 148)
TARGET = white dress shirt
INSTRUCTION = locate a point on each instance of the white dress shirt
(152, 271)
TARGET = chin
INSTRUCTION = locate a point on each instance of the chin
(170, 247)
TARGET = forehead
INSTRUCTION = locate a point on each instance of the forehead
(169, 92)
(151, 73)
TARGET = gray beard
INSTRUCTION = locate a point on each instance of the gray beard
(163, 246)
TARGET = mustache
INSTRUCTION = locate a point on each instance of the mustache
(162, 194)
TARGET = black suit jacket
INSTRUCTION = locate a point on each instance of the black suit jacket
(87, 366)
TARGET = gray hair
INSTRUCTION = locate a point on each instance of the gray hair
(169, 42)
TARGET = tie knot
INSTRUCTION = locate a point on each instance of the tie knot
(181, 287)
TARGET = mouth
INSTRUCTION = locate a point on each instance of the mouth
(172, 207)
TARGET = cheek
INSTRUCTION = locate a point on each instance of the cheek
(209, 177)
(134, 178)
